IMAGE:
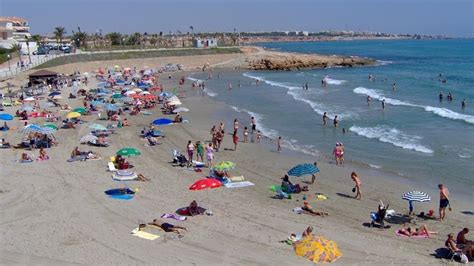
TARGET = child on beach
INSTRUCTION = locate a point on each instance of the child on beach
(357, 182)
(246, 133)
(209, 155)
(199, 151)
(259, 136)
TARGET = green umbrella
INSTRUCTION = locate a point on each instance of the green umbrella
(97, 127)
(224, 166)
(80, 110)
(128, 152)
(53, 126)
(116, 96)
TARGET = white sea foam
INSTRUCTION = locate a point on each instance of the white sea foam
(334, 81)
(375, 166)
(442, 112)
(392, 136)
(209, 92)
(297, 94)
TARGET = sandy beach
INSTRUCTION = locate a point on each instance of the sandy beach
(55, 212)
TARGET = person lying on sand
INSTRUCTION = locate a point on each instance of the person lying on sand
(166, 226)
(420, 231)
(308, 231)
(309, 210)
(143, 178)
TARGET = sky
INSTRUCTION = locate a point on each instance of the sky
(454, 18)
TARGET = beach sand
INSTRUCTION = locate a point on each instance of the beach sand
(55, 212)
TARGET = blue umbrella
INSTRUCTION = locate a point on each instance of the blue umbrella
(96, 103)
(54, 93)
(162, 121)
(47, 130)
(111, 107)
(303, 169)
(32, 128)
(6, 117)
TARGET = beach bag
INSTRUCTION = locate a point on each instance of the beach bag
(464, 259)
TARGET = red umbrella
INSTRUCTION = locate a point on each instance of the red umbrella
(206, 183)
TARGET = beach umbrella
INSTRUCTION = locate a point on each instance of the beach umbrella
(31, 128)
(97, 127)
(73, 115)
(303, 169)
(317, 249)
(224, 166)
(417, 196)
(145, 93)
(6, 117)
(128, 152)
(47, 130)
(137, 90)
(57, 97)
(53, 126)
(54, 93)
(175, 102)
(26, 108)
(180, 109)
(96, 103)
(111, 107)
(206, 183)
(165, 94)
(80, 110)
(117, 96)
(162, 121)
(88, 138)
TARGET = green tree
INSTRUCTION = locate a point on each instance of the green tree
(59, 33)
(79, 38)
(114, 37)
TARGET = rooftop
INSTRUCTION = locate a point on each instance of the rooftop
(13, 19)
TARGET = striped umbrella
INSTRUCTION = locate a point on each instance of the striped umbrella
(47, 130)
(417, 196)
(88, 138)
(303, 169)
(32, 128)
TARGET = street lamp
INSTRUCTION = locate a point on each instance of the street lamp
(9, 67)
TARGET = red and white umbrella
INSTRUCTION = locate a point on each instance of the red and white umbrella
(204, 184)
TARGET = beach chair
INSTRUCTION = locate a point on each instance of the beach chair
(111, 166)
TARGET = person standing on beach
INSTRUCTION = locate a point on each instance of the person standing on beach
(190, 149)
(246, 134)
(236, 125)
(306, 85)
(383, 104)
(335, 121)
(441, 97)
(199, 151)
(235, 140)
(209, 155)
(443, 201)
(325, 118)
(356, 189)
(279, 144)
(254, 124)
(259, 136)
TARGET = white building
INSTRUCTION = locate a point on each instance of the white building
(19, 26)
(205, 43)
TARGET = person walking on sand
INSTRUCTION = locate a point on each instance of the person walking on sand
(356, 188)
(325, 118)
(199, 151)
(246, 134)
(443, 201)
(209, 155)
(279, 144)
(235, 140)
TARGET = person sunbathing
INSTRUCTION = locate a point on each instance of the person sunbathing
(43, 155)
(308, 231)
(420, 231)
(167, 227)
(25, 158)
(451, 244)
(193, 209)
(4, 144)
(142, 178)
(308, 209)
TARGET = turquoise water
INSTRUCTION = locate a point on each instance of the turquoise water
(415, 136)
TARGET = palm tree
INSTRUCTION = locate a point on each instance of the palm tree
(59, 33)
(114, 37)
(79, 38)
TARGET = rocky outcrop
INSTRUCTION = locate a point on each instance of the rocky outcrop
(269, 60)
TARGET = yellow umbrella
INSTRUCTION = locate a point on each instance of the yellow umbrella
(317, 249)
(73, 115)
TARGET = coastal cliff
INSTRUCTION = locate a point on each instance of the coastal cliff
(271, 60)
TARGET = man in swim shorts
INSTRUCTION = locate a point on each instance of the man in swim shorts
(443, 201)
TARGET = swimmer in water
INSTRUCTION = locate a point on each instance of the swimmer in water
(441, 97)
(394, 86)
(368, 100)
(325, 118)
(383, 104)
(335, 121)
(463, 104)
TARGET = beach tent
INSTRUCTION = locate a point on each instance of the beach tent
(162, 121)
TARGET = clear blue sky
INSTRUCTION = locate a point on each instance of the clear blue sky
(448, 17)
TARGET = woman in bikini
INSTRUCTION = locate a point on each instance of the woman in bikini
(420, 231)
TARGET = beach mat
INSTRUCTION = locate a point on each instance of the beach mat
(239, 184)
(416, 237)
(144, 235)
(121, 197)
(237, 178)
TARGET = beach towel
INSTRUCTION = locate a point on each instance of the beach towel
(111, 166)
(417, 236)
(239, 184)
(237, 178)
(144, 235)
(173, 216)
(298, 210)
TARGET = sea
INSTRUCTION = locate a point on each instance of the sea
(416, 136)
